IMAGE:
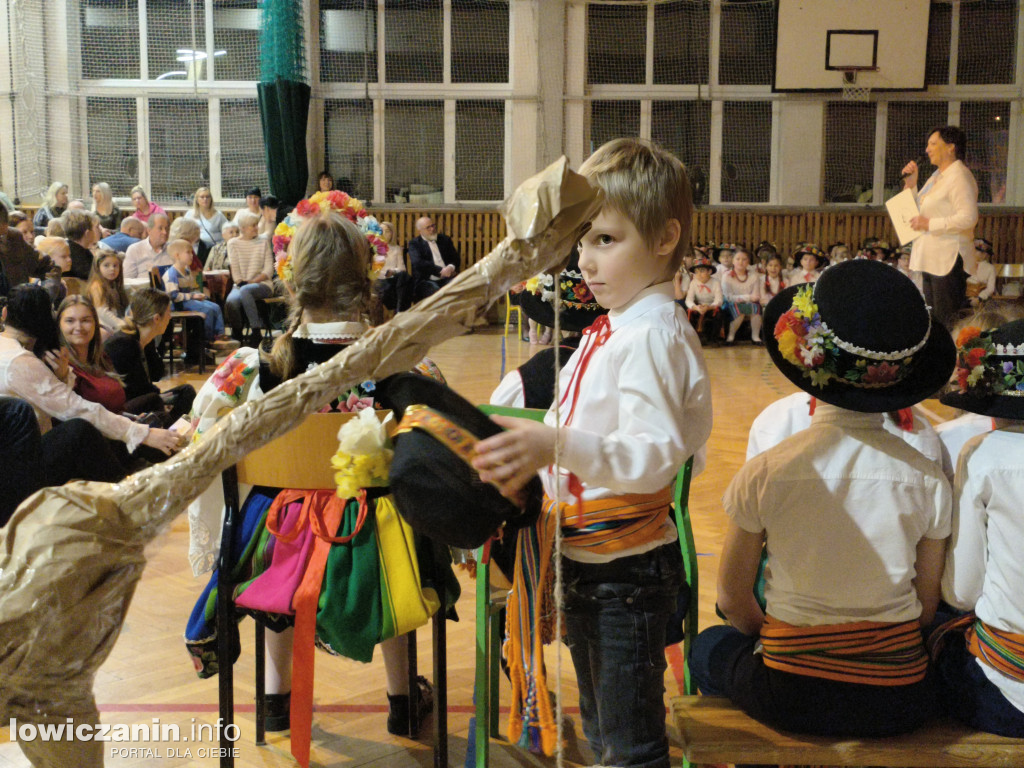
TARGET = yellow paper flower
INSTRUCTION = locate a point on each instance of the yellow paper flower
(364, 454)
(788, 343)
(804, 302)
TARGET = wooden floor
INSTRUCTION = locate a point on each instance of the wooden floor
(149, 674)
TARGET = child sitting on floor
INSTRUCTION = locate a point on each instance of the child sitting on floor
(741, 289)
(635, 405)
(810, 260)
(840, 503)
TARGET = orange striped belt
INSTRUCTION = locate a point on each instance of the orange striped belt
(864, 652)
(998, 648)
(610, 525)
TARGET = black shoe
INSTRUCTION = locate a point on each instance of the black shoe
(398, 708)
(279, 712)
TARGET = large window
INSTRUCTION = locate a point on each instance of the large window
(746, 151)
(849, 151)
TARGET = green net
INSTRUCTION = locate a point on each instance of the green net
(282, 44)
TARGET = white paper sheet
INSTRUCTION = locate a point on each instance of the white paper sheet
(902, 208)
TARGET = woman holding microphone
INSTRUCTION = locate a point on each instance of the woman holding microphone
(948, 205)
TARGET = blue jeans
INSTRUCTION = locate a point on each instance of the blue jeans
(243, 298)
(214, 321)
(615, 615)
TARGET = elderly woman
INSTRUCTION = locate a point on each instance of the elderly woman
(143, 208)
(185, 228)
(55, 202)
(948, 205)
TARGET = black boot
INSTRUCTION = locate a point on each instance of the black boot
(279, 711)
(398, 709)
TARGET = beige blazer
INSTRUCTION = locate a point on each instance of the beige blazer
(950, 201)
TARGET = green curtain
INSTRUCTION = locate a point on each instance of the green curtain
(284, 111)
(284, 98)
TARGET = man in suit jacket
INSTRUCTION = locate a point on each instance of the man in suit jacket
(433, 258)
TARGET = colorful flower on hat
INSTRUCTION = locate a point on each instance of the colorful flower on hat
(976, 370)
(882, 373)
(350, 207)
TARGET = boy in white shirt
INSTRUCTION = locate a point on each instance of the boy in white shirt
(704, 301)
(635, 403)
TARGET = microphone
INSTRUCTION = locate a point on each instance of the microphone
(920, 161)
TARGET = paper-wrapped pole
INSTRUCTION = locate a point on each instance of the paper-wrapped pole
(70, 557)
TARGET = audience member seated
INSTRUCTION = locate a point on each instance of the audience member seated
(979, 657)
(19, 259)
(106, 209)
(22, 223)
(54, 262)
(132, 231)
(324, 182)
(55, 202)
(80, 228)
(253, 195)
(183, 228)
(144, 210)
(839, 505)
(132, 350)
(252, 269)
(704, 301)
(270, 207)
(393, 285)
(180, 284)
(982, 284)
(106, 289)
(218, 258)
(34, 368)
(433, 259)
(142, 256)
(741, 292)
(209, 219)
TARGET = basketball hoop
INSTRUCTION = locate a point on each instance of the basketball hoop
(852, 91)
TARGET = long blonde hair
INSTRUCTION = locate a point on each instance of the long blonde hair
(108, 199)
(195, 203)
(330, 262)
(107, 293)
(146, 305)
(50, 198)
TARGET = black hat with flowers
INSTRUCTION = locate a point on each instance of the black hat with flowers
(577, 306)
(702, 262)
(990, 371)
(437, 491)
(861, 337)
(812, 249)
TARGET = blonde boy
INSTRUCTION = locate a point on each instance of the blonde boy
(180, 284)
(635, 403)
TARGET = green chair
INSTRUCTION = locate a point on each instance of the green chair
(489, 605)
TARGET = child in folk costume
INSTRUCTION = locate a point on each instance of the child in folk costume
(635, 404)
(741, 290)
(810, 261)
(982, 284)
(726, 252)
(774, 279)
(840, 503)
(981, 666)
(764, 251)
(704, 301)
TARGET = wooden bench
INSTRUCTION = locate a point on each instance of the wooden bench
(713, 730)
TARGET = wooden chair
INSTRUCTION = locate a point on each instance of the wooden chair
(714, 731)
(490, 602)
(190, 324)
(301, 459)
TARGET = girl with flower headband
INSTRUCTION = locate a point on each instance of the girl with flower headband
(326, 265)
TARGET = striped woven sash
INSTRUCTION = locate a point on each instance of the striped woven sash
(602, 526)
(863, 652)
(998, 648)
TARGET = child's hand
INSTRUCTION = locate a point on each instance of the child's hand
(509, 460)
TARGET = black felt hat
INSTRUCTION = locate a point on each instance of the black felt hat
(435, 489)
(861, 337)
(998, 388)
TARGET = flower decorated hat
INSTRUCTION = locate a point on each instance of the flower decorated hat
(338, 202)
(577, 305)
(435, 488)
(702, 262)
(861, 338)
(990, 371)
(812, 249)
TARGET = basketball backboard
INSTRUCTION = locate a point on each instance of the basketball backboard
(880, 43)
